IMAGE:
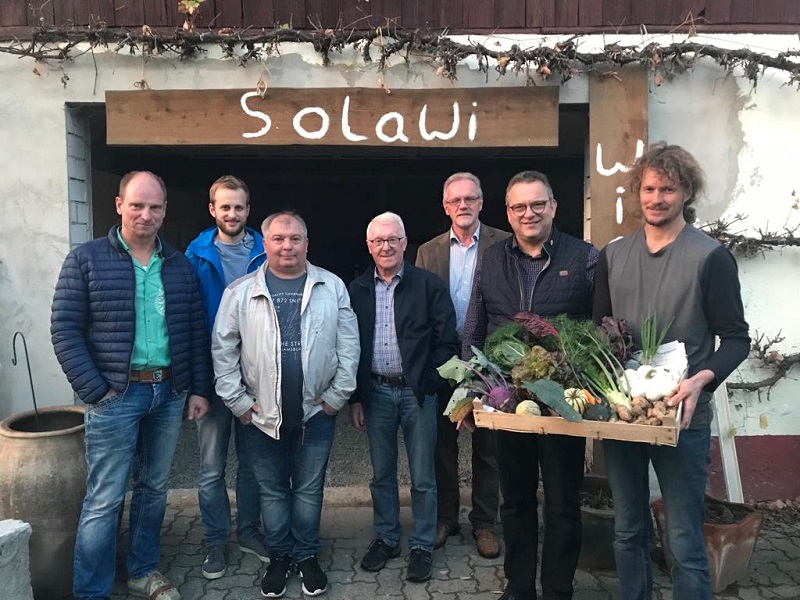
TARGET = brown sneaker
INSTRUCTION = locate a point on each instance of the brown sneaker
(486, 541)
(444, 531)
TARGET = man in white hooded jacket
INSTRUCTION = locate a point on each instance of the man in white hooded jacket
(286, 350)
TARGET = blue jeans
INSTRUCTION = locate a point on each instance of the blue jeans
(682, 472)
(291, 475)
(213, 434)
(389, 408)
(138, 429)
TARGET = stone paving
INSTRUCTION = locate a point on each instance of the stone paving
(459, 573)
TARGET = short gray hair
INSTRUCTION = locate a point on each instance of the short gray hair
(284, 213)
(387, 218)
(459, 177)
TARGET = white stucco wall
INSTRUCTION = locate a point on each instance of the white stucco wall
(746, 140)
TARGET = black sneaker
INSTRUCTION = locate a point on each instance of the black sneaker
(419, 565)
(315, 582)
(214, 565)
(377, 555)
(273, 584)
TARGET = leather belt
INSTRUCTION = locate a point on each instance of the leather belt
(153, 376)
(392, 381)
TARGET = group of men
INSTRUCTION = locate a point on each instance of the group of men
(244, 330)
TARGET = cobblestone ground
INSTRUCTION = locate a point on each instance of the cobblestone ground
(459, 573)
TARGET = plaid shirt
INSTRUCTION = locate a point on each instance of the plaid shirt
(385, 349)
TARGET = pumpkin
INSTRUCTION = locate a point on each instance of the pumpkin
(577, 399)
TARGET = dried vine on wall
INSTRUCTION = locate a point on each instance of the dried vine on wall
(561, 61)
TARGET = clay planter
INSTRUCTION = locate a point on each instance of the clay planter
(729, 547)
(597, 539)
(43, 482)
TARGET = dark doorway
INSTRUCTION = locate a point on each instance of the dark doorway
(338, 190)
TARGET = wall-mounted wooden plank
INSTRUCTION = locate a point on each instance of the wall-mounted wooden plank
(479, 13)
(693, 8)
(643, 12)
(355, 13)
(509, 14)
(567, 13)
(259, 13)
(590, 13)
(718, 11)
(101, 12)
(742, 11)
(540, 13)
(791, 12)
(461, 117)
(451, 14)
(616, 12)
(770, 11)
(617, 128)
(668, 12)
(13, 13)
(131, 14)
(394, 13)
(428, 14)
(156, 13)
(63, 12)
(292, 13)
(228, 13)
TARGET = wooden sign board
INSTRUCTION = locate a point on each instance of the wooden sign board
(617, 137)
(471, 117)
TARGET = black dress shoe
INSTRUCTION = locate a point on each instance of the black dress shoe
(419, 565)
(444, 531)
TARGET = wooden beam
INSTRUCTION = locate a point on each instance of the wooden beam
(487, 117)
(617, 130)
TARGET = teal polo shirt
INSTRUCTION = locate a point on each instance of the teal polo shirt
(151, 342)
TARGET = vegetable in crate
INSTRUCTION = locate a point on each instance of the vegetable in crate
(477, 377)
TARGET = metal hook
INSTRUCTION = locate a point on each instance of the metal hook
(28, 363)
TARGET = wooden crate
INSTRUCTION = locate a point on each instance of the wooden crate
(664, 435)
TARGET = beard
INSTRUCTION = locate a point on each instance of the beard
(231, 229)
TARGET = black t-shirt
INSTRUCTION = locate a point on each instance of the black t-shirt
(287, 296)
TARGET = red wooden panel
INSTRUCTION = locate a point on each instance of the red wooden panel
(40, 13)
(643, 12)
(540, 13)
(479, 13)
(407, 13)
(63, 12)
(82, 12)
(742, 11)
(693, 7)
(719, 11)
(13, 13)
(567, 13)
(510, 13)
(617, 12)
(770, 11)
(322, 12)
(354, 13)
(452, 14)
(229, 13)
(156, 13)
(291, 12)
(668, 12)
(791, 12)
(590, 12)
(131, 14)
(102, 11)
(428, 14)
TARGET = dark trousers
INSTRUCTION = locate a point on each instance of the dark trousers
(561, 458)
(485, 476)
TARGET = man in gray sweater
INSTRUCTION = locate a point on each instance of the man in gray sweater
(670, 269)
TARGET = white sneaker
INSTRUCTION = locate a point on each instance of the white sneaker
(153, 587)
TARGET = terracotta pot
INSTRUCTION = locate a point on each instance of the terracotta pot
(729, 547)
(43, 482)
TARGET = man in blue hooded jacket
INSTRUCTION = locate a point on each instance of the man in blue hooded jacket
(220, 255)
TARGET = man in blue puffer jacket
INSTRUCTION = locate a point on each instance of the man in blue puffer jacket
(220, 255)
(129, 330)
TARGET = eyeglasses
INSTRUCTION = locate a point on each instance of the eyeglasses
(468, 200)
(538, 208)
(392, 241)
